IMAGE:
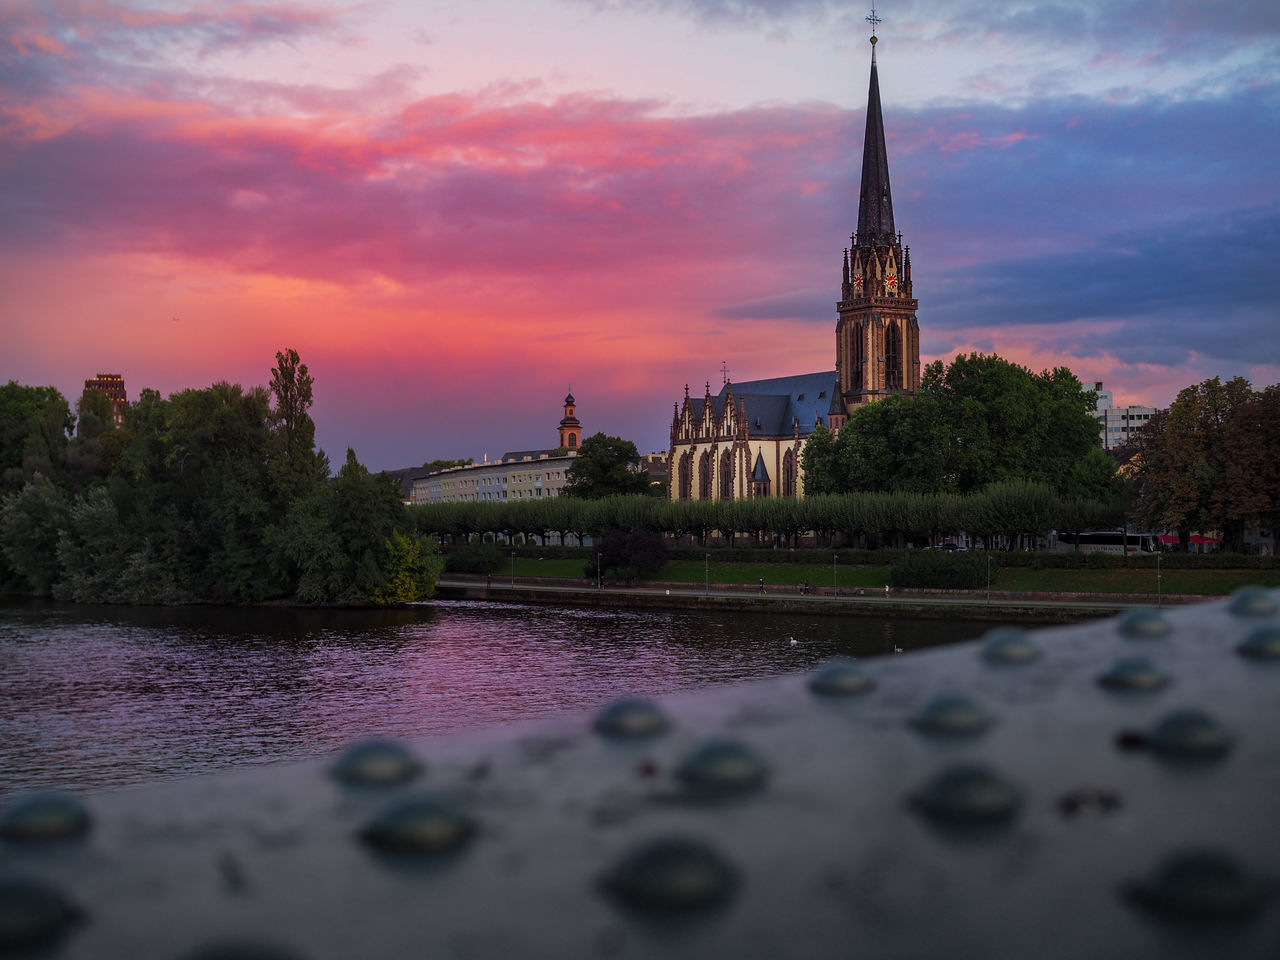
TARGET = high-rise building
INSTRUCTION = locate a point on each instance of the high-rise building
(112, 384)
(746, 440)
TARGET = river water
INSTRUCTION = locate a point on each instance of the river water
(98, 697)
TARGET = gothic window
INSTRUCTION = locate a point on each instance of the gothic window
(855, 375)
(685, 476)
(726, 475)
(705, 476)
(789, 474)
(893, 358)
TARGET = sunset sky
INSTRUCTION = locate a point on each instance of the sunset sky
(455, 210)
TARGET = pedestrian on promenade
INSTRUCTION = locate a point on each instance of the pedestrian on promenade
(762, 584)
(886, 591)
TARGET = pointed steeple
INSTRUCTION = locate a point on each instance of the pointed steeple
(875, 204)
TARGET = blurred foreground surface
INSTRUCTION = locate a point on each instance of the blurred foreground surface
(955, 805)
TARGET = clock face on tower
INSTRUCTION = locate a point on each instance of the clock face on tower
(857, 283)
(890, 282)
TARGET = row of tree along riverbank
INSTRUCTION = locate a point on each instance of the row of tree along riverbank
(209, 495)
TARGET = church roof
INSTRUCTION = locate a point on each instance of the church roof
(778, 402)
(760, 473)
(875, 204)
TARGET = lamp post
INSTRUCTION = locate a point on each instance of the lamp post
(1158, 602)
(513, 568)
(988, 577)
(834, 588)
(706, 569)
(597, 571)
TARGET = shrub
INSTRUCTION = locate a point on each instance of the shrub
(939, 570)
(474, 558)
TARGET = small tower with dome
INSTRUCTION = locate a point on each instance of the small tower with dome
(570, 428)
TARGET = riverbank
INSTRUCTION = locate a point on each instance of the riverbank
(1003, 607)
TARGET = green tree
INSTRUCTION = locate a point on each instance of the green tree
(412, 567)
(979, 420)
(35, 424)
(605, 467)
(295, 466)
(31, 522)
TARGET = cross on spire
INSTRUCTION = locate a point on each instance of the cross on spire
(874, 20)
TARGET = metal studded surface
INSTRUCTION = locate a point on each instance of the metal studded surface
(1066, 829)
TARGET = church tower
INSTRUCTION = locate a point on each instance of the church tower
(570, 428)
(877, 338)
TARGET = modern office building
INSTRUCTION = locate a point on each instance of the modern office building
(1118, 425)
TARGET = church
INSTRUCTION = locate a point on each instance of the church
(746, 440)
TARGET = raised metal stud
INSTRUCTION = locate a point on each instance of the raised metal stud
(376, 763)
(1009, 645)
(672, 874)
(419, 826)
(968, 795)
(1252, 602)
(841, 677)
(33, 916)
(722, 768)
(1190, 735)
(44, 817)
(1201, 886)
(1263, 643)
(951, 715)
(1143, 625)
(630, 719)
(1133, 673)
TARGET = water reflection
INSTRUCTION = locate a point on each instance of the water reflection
(104, 696)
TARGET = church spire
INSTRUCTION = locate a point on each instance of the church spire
(875, 204)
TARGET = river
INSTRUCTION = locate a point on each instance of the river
(101, 697)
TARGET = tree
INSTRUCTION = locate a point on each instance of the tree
(980, 420)
(1183, 456)
(35, 424)
(295, 466)
(1250, 489)
(633, 554)
(412, 567)
(604, 467)
(30, 524)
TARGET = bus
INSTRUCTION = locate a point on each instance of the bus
(1109, 541)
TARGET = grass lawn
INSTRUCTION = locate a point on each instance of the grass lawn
(1191, 582)
(1195, 582)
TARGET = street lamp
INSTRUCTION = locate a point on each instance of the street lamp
(834, 589)
(1158, 603)
(706, 569)
(513, 568)
(597, 571)
(988, 577)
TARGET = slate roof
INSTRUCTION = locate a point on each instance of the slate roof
(531, 454)
(778, 402)
(875, 204)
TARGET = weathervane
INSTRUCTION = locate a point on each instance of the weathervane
(724, 371)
